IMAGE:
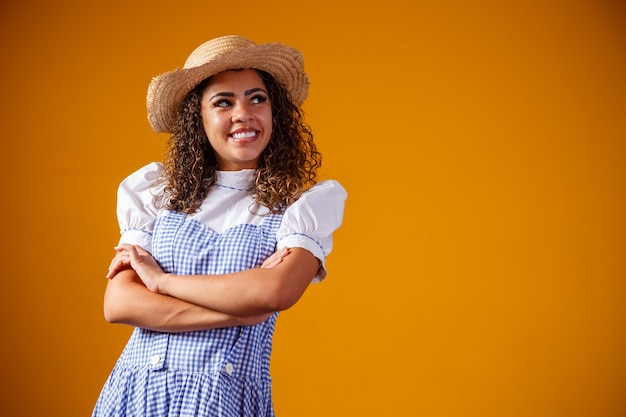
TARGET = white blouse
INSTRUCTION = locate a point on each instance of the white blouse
(308, 223)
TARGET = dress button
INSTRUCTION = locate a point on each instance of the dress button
(155, 360)
(229, 368)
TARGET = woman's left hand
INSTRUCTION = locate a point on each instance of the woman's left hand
(141, 261)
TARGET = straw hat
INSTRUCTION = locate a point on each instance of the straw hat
(167, 91)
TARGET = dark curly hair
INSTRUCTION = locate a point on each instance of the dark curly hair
(287, 166)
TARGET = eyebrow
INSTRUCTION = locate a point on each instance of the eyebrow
(245, 93)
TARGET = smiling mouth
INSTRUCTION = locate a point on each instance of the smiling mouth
(243, 136)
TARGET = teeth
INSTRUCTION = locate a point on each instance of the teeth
(243, 135)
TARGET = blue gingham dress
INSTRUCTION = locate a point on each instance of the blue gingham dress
(217, 372)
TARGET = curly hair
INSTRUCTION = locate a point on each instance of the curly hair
(287, 166)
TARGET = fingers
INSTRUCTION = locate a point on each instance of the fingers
(127, 247)
(126, 256)
(276, 258)
(123, 247)
(122, 259)
(133, 254)
(119, 262)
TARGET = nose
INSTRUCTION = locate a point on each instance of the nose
(241, 113)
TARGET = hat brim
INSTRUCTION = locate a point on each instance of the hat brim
(167, 91)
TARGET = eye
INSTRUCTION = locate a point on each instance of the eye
(221, 103)
(258, 99)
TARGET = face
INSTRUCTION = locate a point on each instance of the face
(237, 118)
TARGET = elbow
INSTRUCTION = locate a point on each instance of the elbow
(281, 297)
(286, 301)
(109, 317)
(278, 303)
(292, 278)
(113, 308)
(121, 300)
(111, 313)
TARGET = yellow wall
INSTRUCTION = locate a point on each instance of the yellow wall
(480, 270)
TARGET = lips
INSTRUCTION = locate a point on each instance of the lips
(243, 135)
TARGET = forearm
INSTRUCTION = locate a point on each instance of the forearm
(128, 301)
(249, 292)
(245, 292)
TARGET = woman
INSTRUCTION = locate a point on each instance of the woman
(228, 231)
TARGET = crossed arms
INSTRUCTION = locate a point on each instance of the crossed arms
(141, 294)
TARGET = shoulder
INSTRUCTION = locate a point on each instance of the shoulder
(317, 213)
(324, 201)
(328, 186)
(145, 183)
(136, 193)
(147, 176)
(310, 222)
(327, 192)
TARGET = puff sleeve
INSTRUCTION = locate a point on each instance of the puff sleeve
(136, 212)
(310, 221)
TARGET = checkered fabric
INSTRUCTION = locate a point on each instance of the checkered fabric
(220, 372)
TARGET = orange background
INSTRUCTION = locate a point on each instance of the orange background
(480, 270)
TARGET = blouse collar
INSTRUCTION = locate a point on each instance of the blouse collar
(241, 180)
